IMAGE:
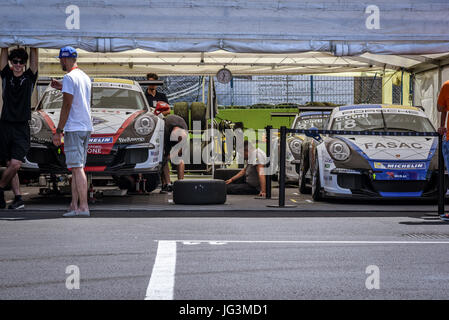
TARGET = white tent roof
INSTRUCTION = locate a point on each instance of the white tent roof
(248, 36)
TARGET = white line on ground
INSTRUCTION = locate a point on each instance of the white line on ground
(309, 241)
(162, 281)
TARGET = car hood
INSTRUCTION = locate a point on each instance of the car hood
(392, 148)
(105, 121)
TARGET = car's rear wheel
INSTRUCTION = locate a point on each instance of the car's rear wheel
(316, 182)
(153, 180)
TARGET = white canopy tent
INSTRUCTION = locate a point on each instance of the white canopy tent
(198, 37)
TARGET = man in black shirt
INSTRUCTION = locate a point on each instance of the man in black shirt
(17, 87)
(175, 129)
(152, 95)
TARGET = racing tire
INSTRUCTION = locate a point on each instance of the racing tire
(182, 109)
(198, 113)
(199, 191)
(153, 180)
(316, 184)
(227, 173)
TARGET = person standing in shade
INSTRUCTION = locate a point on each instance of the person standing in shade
(17, 88)
(175, 126)
(76, 124)
(443, 107)
(152, 95)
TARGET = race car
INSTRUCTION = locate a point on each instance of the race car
(356, 166)
(127, 138)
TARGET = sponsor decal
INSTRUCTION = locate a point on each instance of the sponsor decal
(94, 149)
(101, 140)
(130, 140)
(393, 145)
(400, 166)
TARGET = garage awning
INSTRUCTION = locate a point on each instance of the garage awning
(250, 37)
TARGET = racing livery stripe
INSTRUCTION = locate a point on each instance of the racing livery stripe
(95, 169)
(48, 120)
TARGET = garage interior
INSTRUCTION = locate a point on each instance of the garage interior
(199, 37)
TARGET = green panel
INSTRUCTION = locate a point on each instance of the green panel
(256, 118)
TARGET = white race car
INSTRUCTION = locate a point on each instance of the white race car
(357, 166)
(127, 138)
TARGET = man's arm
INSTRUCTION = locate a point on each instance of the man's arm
(442, 129)
(67, 100)
(4, 58)
(34, 60)
(237, 176)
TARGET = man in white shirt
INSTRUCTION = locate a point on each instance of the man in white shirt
(76, 124)
(254, 182)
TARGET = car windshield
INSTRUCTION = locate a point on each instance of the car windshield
(310, 121)
(109, 98)
(391, 120)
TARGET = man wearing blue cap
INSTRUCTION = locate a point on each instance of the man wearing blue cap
(18, 84)
(76, 124)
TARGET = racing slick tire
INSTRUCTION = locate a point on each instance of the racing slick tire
(316, 183)
(199, 191)
(227, 173)
(182, 109)
(198, 113)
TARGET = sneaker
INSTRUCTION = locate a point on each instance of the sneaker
(17, 204)
(77, 214)
(166, 189)
(2, 199)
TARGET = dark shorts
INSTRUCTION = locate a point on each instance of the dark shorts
(14, 140)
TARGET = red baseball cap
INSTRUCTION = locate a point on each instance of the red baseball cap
(161, 106)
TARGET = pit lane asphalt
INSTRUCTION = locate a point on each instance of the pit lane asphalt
(227, 254)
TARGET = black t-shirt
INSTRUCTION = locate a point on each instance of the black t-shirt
(158, 97)
(17, 95)
(172, 121)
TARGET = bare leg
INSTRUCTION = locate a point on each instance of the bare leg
(10, 173)
(74, 203)
(81, 188)
(180, 169)
(166, 174)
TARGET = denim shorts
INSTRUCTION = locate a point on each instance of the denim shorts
(75, 148)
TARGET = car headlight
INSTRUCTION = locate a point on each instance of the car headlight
(295, 146)
(35, 124)
(144, 125)
(339, 150)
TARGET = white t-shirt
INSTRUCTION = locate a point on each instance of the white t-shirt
(78, 84)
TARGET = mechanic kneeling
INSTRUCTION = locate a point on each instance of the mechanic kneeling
(253, 173)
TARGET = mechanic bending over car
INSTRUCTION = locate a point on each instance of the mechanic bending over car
(76, 121)
(18, 86)
(443, 107)
(176, 126)
(253, 173)
(152, 95)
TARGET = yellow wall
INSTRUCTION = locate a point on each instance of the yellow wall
(387, 87)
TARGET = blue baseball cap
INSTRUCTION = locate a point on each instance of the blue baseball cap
(67, 52)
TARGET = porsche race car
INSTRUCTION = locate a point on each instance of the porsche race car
(366, 166)
(127, 138)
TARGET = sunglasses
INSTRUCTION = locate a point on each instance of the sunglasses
(15, 61)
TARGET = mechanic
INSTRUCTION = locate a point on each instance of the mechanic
(443, 107)
(152, 95)
(253, 173)
(176, 126)
(75, 121)
(18, 86)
